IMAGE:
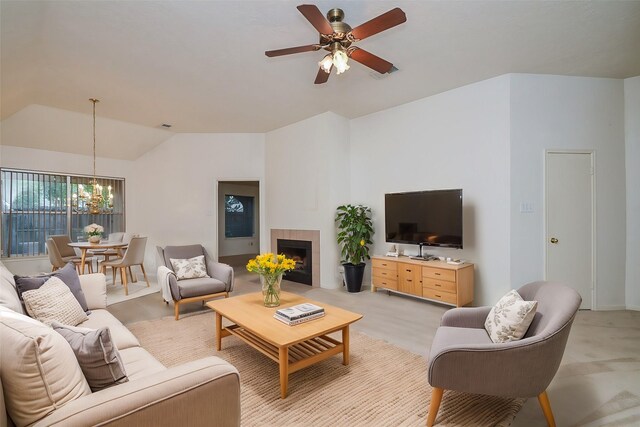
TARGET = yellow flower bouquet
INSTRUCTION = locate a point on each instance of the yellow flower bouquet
(270, 267)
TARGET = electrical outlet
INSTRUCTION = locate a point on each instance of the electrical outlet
(526, 207)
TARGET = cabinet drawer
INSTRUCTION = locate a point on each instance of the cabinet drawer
(439, 285)
(385, 274)
(381, 282)
(383, 265)
(439, 273)
(439, 296)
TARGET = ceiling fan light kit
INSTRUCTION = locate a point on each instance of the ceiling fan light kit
(337, 37)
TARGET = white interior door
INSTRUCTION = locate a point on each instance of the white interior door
(569, 221)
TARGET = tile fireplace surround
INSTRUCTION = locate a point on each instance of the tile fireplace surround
(309, 235)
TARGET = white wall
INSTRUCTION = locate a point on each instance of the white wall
(457, 139)
(307, 175)
(632, 158)
(558, 112)
(174, 190)
(52, 161)
(238, 245)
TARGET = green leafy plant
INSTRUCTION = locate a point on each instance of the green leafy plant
(354, 232)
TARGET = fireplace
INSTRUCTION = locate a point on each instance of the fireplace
(300, 252)
(313, 256)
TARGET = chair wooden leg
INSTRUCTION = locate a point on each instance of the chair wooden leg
(145, 275)
(123, 276)
(436, 398)
(113, 274)
(176, 309)
(546, 408)
(134, 279)
(90, 267)
(103, 269)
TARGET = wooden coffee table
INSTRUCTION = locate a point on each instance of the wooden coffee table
(292, 347)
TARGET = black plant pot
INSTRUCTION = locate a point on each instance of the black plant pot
(353, 274)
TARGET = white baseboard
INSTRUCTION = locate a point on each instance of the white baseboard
(610, 308)
(633, 307)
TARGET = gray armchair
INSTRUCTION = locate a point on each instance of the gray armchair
(220, 282)
(464, 358)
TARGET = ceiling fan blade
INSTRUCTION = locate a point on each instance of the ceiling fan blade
(290, 50)
(370, 60)
(322, 76)
(316, 18)
(380, 23)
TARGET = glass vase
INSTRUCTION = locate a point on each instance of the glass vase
(271, 289)
(95, 238)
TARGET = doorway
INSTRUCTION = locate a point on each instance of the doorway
(238, 221)
(569, 221)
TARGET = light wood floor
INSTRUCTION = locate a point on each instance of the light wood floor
(597, 384)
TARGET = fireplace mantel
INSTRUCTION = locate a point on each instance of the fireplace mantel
(310, 235)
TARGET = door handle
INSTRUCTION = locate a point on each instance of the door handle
(554, 240)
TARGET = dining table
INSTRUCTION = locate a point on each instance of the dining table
(87, 246)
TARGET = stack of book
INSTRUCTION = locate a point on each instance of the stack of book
(299, 313)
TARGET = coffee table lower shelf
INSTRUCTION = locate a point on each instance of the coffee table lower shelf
(296, 356)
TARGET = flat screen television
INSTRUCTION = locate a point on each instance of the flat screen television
(425, 218)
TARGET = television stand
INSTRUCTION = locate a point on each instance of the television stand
(425, 257)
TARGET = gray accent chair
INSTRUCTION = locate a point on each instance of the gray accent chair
(464, 358)
(220, 282)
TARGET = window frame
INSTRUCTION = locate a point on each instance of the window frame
(68, 212)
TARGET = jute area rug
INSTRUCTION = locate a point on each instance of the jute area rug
(382, 386)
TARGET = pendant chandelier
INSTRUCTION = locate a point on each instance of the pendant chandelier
(94, 202)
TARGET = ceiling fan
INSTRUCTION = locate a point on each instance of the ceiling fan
(337, 37)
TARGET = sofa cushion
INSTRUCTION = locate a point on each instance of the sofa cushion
(67, 274)
(53, 301)
(510, 318)
(39, 371)
(191, 268)
(453, 337)
(198, 287)
(120, 335)
(97, 356)
(140, 363)
(8, 291)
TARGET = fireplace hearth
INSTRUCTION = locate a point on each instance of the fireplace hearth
(300, 251)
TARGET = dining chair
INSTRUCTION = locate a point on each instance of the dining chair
(58, 261)
(134, 255)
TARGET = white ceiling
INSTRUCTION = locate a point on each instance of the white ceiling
(200, 65)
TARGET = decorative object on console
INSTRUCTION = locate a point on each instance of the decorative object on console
(337, 37)
(270, 268)
(355, 230)
(94, 231)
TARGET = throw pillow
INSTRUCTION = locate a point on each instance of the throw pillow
(8, 291)
(191, 268)
(510, 318)
(97, 355)
(39, 370)
(67, 274)
(53, 301)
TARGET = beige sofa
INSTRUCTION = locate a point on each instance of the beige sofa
(201, 393)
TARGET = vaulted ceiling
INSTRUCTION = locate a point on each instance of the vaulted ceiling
(200, 65)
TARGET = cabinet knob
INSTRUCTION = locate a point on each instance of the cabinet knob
(409, 280)
(437, 274)
(554, 240)
(438, 284)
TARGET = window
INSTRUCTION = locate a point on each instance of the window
(36, 205)
(238, 216)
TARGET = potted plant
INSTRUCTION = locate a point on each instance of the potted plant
(354, 235)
